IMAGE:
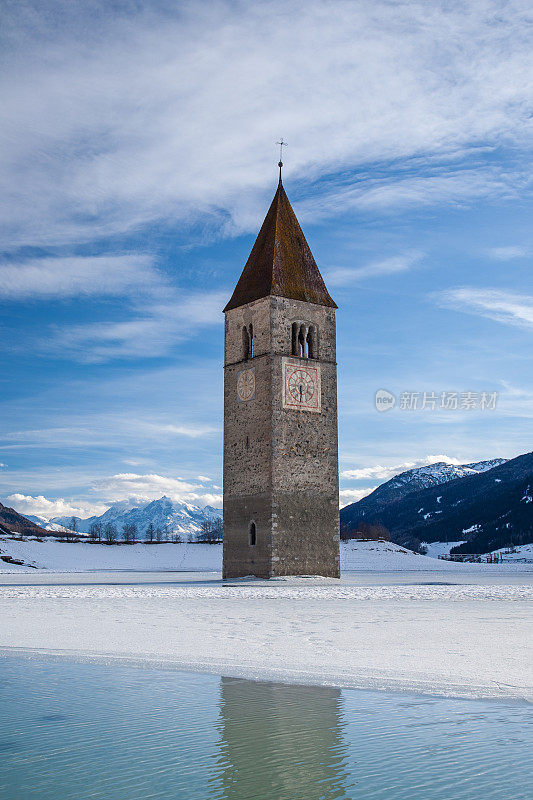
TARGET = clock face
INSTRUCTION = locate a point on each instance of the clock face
(246, 385)
(301, 386)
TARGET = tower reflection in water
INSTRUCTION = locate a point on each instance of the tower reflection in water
(280, 741)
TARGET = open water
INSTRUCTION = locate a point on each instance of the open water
(78, 731)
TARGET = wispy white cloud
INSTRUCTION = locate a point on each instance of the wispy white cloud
(156, 316)
(430, 186)
(151, 330)
(344, 276)
(191, 431)
(143, 488)
(128, 486)
(55, 437)
(508, 253)
(96, 430)
(72, 276)
(509, 308)
(516, 401)
(353, 495)
(41, 506)
(119, 117)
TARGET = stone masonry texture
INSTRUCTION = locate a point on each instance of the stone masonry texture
(280, 465)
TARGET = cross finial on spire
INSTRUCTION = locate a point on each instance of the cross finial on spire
(282, 144)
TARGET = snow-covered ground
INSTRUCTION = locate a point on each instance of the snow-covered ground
(396, 620)
(356, 555)
(436, 549)
(522, 553)
(82, 556)
(466, 635)
(360, 556)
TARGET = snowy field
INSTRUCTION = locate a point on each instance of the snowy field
(436, 549)
(524, 553)
(81, 557)
(432, 626)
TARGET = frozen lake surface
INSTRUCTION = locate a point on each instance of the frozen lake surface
(79, 731)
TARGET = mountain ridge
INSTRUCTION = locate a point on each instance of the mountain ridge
(435, 474)
(12, 522)
(171, 516)
(485, 507)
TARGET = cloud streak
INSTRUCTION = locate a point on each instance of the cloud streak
(68, 277)
(41, 506)
(343, 276)
(507, 253)
(122, 117)
(141, 488)
(134, 488)
(508, 308)
(153, 329)
(88, 431)
(347, 496)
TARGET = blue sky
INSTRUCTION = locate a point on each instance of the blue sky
(139, 160)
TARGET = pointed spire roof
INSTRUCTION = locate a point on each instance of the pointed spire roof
(281, 262)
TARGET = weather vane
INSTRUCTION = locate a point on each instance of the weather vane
(282, 144)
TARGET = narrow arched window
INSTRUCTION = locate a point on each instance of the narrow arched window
(304, 340)
(251, 331)
(245, 343)
(252, 535)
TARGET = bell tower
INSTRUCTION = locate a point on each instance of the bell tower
(281, 489)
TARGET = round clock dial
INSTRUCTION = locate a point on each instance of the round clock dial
(301, 386)
(246, 384)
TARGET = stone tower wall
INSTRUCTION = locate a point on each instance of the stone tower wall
(305, 488)
(280, 465)
(247, 446)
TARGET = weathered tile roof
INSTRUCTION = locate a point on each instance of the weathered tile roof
(281, 262)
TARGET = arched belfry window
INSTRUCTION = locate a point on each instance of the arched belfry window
(245, 343)
(252, 534)
(304, 340)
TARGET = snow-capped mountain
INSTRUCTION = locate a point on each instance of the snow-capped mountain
(431, 475)
(113, 514)
(489, 506)
(172, 517)
(45, 524)
(11, 522)
(371, 507)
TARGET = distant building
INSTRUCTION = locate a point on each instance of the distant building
(281, 492)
